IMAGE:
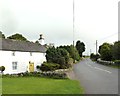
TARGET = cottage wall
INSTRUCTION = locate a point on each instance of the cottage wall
(22, 59)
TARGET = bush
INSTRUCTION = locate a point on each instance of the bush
(105, 51)
(38, 67)
(58, 55)
(116, 50)
(25, 74)
(73, 52)
(2, 68)
(94, 57)
(50, 74)
(117, 62)
(49, 67)
(55, 75)
(70, 61)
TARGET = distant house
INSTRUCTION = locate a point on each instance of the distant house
(20, 56)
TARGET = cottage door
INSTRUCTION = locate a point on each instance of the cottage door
(31, 67)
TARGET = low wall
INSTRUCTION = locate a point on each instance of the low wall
(105, 62)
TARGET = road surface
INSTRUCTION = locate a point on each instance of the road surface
(96, 78)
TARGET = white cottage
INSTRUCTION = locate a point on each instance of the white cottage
(20, 56)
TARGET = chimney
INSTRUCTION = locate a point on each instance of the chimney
(41, 40)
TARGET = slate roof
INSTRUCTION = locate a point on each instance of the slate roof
(25, 46)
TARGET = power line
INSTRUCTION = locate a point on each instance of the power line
(108, 36)
(103, 39)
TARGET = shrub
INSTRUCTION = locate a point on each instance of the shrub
(117, 62)
(105, 51)
(58, 55)
(94, 57)
(50, 74)
(2, 68)
(29, 74)
(116, 50)
(73, 52)
(38, 67)
(55, 75)
(70, 61)
(49, 67)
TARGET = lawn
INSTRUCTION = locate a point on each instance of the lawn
(37, 85)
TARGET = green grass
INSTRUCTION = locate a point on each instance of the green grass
(114, 66)
(36, 85)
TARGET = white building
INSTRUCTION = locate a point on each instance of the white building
(21, 56)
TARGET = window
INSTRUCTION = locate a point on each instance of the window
(14, 65)
(30, 53)
(13, 53)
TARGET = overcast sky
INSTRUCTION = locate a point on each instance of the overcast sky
(94, 20)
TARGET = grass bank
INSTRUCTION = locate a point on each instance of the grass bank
(36, 85)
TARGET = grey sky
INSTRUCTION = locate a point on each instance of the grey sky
(94, 20)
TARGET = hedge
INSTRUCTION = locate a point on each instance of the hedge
(117, 62)
(49, 67)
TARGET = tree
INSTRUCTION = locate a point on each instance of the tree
(59, 56)
(105, 51)
(80, 46)
(2, 35)
(116, 50)
(50, 54)
(94, 56)
(63, 55)
(17, 37)
(72, 52)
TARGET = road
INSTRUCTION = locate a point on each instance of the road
(96, 78)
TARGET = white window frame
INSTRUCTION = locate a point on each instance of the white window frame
(14, 65)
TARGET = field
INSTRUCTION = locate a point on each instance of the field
(37, 85)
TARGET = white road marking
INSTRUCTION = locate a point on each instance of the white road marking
(98, 68)
(102, 69)
(89, 65)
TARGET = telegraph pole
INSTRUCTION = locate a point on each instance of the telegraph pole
(73, 31)
(73, 23)
(96, 46)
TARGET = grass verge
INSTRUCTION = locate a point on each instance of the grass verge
(37, 85)
(114, 66)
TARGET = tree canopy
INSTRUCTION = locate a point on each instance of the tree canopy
(110, 52)
(80, 46)
(105, 51)
(72, 51)
(17, 37)
(59, 56)
(116, 50)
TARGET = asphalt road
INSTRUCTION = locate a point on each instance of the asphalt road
(96, 78)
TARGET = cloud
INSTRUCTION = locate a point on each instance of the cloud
(8, 19)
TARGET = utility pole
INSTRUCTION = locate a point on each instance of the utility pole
(73, 32)
(96, 47)
(73, 22)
